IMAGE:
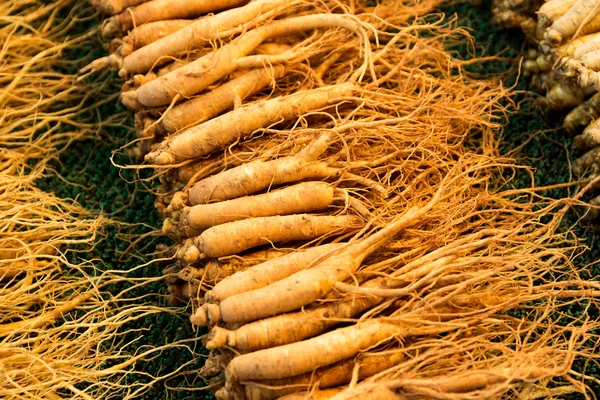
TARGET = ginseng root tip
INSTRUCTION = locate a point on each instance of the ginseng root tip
(179, 201)
(168, 227)
(218, 338)
(192, 254)
(159, 157)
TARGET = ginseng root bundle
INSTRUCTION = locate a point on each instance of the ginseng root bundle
(330, 178)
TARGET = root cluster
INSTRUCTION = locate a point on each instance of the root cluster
(564, 65)
(331, 178)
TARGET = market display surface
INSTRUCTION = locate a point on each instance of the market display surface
(308, 199)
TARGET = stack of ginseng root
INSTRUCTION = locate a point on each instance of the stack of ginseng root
(331, 179)
(564, 66)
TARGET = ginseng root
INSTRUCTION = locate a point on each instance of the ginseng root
(459, 383)
(326, 349)
(46, 317)
(235, 237)
(158, 10)
(583, 114)
(297, 199)
(226, 129)
(227, 96)
(270, 271)
(590, 136)
(145, 34)
(198, 34)
(568, 23)
(254, 176)
(326, 377)
(551, 10)
(303, 287)
(199, 74)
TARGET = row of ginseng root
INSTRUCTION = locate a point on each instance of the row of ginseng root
(329, 177)
(563, 65)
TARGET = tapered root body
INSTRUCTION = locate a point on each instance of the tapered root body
(588, 164)
(554, 9)
(583, 114)
(270, 271)
(462, 383)
(202, 108)
(303, 287)
(587, 47)
(590, 136)
(327, 377)
(159, 10)
(591, 60)
(292, 327)
(235, 237)
(199, 74)
(196, 35)
(226, 129)
(302, 357)
(371, 393)
(568, 23)
(313, 395)
(145, 34)
(258, 175)
(301, 198)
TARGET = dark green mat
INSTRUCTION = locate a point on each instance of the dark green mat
(88, 163)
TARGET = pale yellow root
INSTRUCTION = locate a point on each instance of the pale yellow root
(199, 74)
(235, 237)
(303, 357)
(160, 10)
(255, 176)
(591, 60)
(214, 271)
(326, 377)
(590, 137)
(302, 198)
(21, 249)
(462, 383)
(588, 164)
(145, 34)
(270, 271)
(569, 48)
(220, 132)
(588, 46)
(566, 25)
(592, 26)
(552, 10)
(198, 34)
(372, 393)
(585, 77)
(583, 114)
(44, 318)
(561, 97)
(303, 287)
(138, 37)
(312, 320)
(313, 395)
(225, 97)
(290, 327)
